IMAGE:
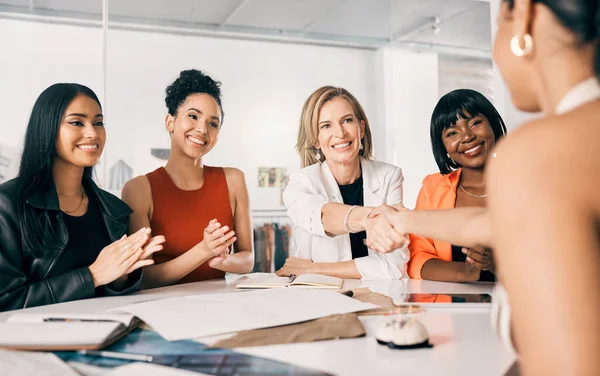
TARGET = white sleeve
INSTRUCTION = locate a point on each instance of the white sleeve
(383, 265)
(395, 192)
(387, 265)
(303, 204)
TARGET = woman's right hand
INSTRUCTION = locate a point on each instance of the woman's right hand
(120, 257)
(216, 240)
(471, 272)
(381, 236)
(395, 215)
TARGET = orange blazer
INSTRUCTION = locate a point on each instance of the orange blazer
(438, 192)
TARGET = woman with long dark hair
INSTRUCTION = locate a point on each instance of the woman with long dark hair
(61, 237)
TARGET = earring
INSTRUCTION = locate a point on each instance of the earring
(515, 45)
(361, 145)
(318, 155)
(451, 158)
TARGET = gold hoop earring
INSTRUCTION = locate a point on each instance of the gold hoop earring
(515, 45)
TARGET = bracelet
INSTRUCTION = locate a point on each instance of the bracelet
(346, 220)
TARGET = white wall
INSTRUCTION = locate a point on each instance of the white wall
(264, 87)
(32, 57)
(413, 87)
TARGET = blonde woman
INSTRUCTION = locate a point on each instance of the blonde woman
(330, 199)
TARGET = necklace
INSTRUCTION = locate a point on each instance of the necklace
(78, 206)
(471, 194)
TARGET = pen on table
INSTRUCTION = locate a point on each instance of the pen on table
(292, 278)
(117, 355)
(59, 319)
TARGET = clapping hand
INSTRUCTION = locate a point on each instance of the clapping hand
(123, 257)
(216, 242)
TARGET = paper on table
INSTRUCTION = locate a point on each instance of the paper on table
(146, 369)
(205, 315)
(40, 334)
(32, 363)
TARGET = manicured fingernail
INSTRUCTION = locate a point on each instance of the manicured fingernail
(464, 251)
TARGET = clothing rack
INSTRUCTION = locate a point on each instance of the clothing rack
(272, 239)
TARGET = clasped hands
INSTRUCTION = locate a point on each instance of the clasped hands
(386, 229)
(389, 231)
(215, 245)
(118, 259)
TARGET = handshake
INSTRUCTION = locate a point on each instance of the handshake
(386, 228)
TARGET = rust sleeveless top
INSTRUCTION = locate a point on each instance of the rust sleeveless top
(181, 216)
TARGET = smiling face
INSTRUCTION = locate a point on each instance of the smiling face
(81, 134)
(339, 131)
(195, 128)
(469, 141)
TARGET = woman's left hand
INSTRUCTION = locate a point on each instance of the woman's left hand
(217, 261)
(480, 257)
(153, 244)
(296, 265)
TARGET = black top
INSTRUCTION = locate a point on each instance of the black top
(24, 271)
(87, 237)
(352, 194)
(457, 255)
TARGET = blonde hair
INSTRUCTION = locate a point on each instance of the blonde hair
(309, 123)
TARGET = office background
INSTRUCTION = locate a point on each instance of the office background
(396, 56)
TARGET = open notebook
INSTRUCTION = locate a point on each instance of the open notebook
(315, 281)
(55, 331)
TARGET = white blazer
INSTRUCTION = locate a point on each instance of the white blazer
(314, 186)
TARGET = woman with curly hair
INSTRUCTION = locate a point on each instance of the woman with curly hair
(201, 210)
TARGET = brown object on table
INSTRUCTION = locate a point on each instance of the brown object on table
(330, 327)
(385, 303)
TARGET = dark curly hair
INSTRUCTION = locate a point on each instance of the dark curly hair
(190, 82)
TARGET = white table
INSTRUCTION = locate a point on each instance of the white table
(464, 343)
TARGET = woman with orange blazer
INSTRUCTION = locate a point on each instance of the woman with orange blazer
(465, 126)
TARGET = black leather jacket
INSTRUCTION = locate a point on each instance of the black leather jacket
(24, 278)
